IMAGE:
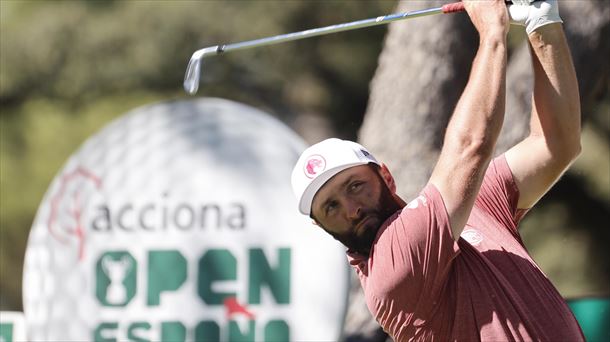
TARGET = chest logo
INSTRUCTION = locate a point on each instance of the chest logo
(473, 236)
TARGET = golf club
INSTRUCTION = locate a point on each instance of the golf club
(193, 70)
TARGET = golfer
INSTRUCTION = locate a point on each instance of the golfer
(450, 265)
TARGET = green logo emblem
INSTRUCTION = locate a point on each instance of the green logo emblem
(115, 278)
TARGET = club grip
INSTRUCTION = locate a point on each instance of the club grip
(455, 7)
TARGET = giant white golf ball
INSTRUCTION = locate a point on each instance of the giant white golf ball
(177, 222)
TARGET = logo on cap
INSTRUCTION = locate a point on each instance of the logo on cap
(314, 165)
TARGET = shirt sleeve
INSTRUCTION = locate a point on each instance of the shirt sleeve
(412, 257)
(499, 195)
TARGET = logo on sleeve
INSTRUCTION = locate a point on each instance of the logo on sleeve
(472, 236)
(420, 200)
(314, 165)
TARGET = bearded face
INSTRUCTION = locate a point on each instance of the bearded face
(353, 205)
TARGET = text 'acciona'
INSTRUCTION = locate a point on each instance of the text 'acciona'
(164, 215)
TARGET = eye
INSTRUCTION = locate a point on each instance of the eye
(355, 186)
(332, 205)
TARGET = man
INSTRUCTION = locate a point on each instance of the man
(450, 265)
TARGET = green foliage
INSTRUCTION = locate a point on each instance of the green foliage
(76, 52)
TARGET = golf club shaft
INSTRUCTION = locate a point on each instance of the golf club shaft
(326, 30)
(449, 8)
(193, 70)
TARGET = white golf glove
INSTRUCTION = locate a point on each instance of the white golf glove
(533, 15)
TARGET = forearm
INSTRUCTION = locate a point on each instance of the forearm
(556, 101)
(554, 141)
(478, 116)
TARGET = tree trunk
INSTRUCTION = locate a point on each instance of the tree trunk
(422, 71)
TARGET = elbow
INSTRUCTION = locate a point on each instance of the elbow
(567, 155)
(482, 148)
(569, 150)
(563, 151)
(475, 148)
(575, 150)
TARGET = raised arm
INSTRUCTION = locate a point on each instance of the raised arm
(554, 140)
(477, 119)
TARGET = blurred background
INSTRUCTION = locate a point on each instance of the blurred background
(67, 68)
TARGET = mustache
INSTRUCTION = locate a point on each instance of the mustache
(364, 215)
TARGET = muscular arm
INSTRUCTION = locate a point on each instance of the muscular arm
(554, 140)
(476, 122)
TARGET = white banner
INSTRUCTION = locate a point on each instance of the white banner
(177, 222)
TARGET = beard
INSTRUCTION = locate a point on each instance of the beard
(364, 229)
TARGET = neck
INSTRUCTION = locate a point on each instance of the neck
(400, 202)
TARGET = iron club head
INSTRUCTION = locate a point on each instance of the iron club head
(193, 70)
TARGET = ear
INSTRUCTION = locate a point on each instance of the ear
(387, 177)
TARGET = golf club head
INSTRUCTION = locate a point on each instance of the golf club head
(192, 76)
(193, 70)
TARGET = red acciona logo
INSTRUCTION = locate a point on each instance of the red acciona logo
(66, 217)
(314, 165)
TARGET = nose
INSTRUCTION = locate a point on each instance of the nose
(354, 210)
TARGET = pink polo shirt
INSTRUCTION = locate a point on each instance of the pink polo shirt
(422, 285)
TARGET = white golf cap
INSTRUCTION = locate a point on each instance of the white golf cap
(320, 162)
